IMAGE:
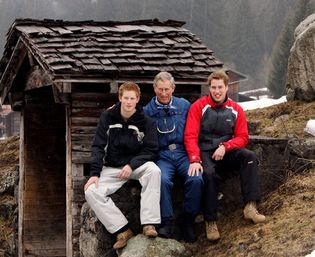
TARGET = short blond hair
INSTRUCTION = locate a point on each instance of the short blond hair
(219, 74)
(129, 86)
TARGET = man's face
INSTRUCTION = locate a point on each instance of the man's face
(218, 90)
(164, 91)
(129, 100)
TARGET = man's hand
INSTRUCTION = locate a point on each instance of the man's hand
(92, 180)
(194, 169)
(125, 172)
(219, 153)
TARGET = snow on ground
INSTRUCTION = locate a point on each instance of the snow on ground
(261, 103)
(312, 254)
(266, 102)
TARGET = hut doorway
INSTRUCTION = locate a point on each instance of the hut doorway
(42, 192)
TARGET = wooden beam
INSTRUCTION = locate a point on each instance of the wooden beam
(69, 191)
(16, 100)
(135, 79)
(61, 92)
(30, 59)
(17, 57)
(21, 188)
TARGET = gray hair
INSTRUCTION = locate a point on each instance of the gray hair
(164, 75)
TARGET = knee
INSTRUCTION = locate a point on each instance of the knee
(89, 193)
(250, 157)
(166, 181)
(153, 170)
(195, 181)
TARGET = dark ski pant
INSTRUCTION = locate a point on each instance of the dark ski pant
(239, 161)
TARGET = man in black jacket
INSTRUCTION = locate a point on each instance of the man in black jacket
(124, 147)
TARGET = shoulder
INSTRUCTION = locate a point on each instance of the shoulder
(149, 106)
(234, 104)
(181, 103)
(201, 102)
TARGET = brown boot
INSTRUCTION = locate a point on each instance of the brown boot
(149, 231)
(251, 213)
(212, 231)
(122, 239)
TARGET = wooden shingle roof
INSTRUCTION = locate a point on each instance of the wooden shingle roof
(68, 49)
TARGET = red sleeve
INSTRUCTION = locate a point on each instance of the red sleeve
(240, 138)
(192, 129)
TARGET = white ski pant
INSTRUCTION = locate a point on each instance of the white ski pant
(149, 176)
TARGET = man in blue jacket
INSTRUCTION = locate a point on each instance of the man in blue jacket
(169, 113)
(124, 147)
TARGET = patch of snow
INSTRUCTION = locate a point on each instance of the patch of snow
(261, 103)
(310, 127)
(312, 254)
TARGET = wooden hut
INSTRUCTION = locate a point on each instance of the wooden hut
(61, 75)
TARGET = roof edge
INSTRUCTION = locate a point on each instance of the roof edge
(151, 22)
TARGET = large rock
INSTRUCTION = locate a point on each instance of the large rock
(94, 238)
(141, 246)
(301, 64)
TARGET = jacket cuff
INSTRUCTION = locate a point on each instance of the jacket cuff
(195, 158)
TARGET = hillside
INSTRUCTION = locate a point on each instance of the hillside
(290, 227)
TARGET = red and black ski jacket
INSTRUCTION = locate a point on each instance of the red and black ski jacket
(210, 124)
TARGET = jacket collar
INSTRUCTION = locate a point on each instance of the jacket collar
(114, 112)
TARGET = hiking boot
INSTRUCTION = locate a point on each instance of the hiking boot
(149, 231)
(122, 239)
(212, 231)
(251, 213)
(166, 230)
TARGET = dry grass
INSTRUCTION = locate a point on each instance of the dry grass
(289, 230)
(282, 120)
(9, 153)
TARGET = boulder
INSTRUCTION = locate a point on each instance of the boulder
(142, 246)
(301, 66)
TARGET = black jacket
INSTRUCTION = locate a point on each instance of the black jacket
(118, 142)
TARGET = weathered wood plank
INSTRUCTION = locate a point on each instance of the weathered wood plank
(41, 227)
(46, 237)
(93, 97)
(81, 157)
(88, 104)
(86, 121)
(44, 196)
(45, 252)
(77, 170)
(83, 130)
(87, 112)
(32, 183)
(81, 142)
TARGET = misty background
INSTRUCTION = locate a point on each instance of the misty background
(244, 34)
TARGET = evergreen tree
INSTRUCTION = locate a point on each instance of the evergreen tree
(277, 76)
(245, 42)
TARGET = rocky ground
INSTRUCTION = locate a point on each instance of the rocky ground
(9, 159)
(290, 227)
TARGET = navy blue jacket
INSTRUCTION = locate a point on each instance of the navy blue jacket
(170, 120)
(118, 142)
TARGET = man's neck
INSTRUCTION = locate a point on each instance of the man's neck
(159, 103)
(126, 115)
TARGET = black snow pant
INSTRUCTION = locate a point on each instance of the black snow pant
(239, 161)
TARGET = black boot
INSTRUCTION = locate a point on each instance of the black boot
(166, 229)
(186, 222)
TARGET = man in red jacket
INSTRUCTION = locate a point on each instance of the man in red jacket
(216, 135)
